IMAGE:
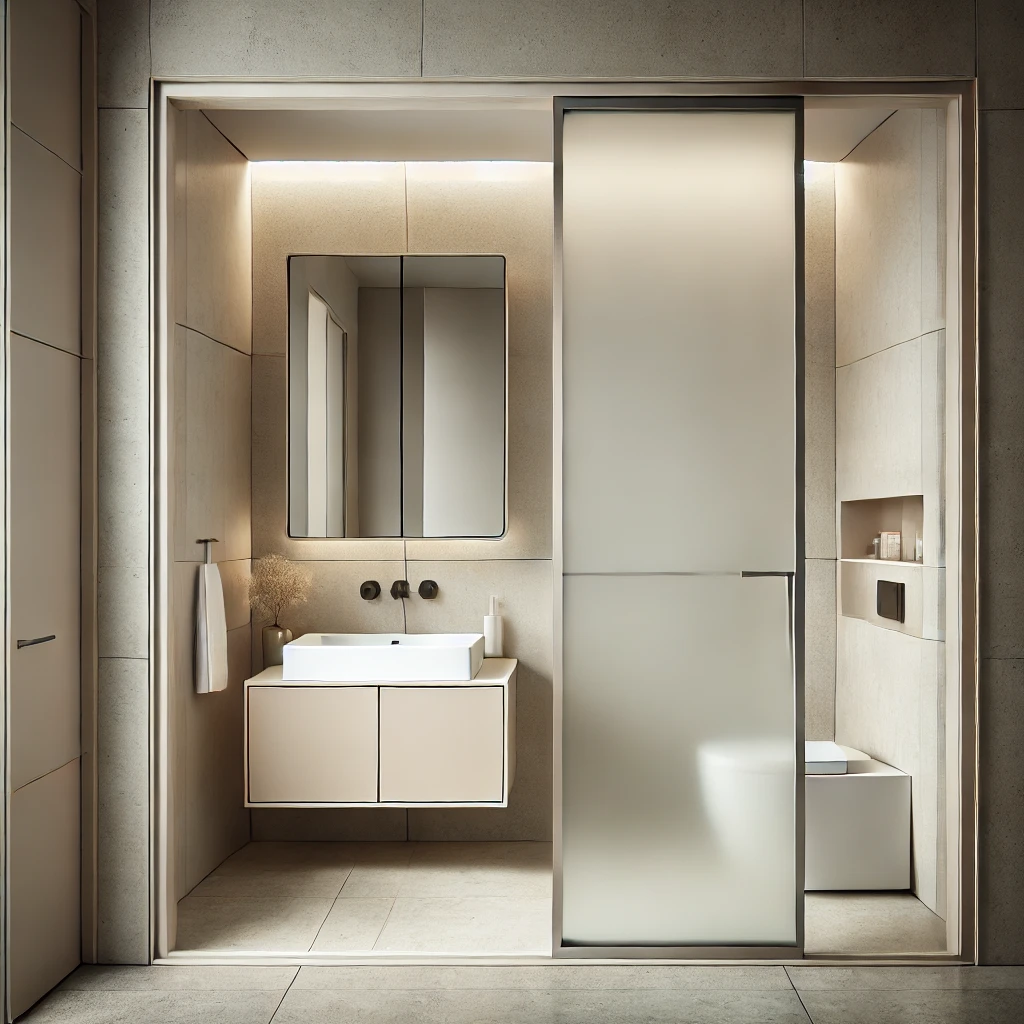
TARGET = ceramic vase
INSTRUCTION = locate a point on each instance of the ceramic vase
(274, 639)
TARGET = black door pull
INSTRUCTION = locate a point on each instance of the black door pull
(38, 640)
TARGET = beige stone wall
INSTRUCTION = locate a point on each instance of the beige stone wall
(766, 38)
(210, 486)
(820, 451)
(375, 209)
(890, 436)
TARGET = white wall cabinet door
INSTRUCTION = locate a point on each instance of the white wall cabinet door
(45, 893)
(45, 559)
(441, 744)
(312, 744)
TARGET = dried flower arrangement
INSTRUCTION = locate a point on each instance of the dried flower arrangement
(276, 584)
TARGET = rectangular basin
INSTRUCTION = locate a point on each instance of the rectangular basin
(384, 657)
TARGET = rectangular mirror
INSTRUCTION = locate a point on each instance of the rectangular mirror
(396, 396)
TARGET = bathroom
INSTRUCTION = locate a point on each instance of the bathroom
(257, 196)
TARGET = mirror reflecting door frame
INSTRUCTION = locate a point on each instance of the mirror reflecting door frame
(787, 104)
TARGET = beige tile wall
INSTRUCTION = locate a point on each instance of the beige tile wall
(431, 208)
(820, 451)
(890, 387)
(211, 490)
(889, 703)
(875, 38)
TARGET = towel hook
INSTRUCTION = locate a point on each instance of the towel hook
(209, 542)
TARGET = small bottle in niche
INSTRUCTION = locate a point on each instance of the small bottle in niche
(876, 544)
(493, 640)
(919, 549)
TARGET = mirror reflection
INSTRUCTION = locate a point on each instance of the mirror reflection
(396, 396)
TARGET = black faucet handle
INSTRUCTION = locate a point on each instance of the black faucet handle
(428, 590)
(370, 590)
(400, 588)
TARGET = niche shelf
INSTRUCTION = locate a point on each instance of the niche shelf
(861, 521)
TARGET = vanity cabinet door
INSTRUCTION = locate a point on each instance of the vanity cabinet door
(312, 744)
(442, 744)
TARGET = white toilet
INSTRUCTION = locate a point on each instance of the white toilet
(857, 813)
(746, 788)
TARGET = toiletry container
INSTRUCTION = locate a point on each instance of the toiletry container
(493, 639)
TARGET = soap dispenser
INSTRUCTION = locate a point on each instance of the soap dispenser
(493, 632)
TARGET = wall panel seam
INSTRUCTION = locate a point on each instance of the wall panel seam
(216, 341)
(49, 345)
(42, 145)
(890, 348)
(47, 774)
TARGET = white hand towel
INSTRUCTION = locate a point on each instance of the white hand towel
(211, 632)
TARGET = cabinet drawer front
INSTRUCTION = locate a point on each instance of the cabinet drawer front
(442, 744)
(312, 744)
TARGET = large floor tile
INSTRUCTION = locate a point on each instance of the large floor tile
(280, 869)
(579, 1006)
(915, 1007)
(871, 922)
(594, 977)
(923, 977)
(353, 925)
(476, 924)
(161, 1007)
(280, 925)
(114, 978)
(381, 872)
(478, 869)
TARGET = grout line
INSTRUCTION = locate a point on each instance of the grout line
(796, 992)
(327, 915)
(394, 900)
(284, 995)
(423, 4)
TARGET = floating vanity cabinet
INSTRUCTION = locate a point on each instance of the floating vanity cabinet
(331, 744)
(311, 743)
(442, 744)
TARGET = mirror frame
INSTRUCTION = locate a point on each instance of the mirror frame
(288, 396)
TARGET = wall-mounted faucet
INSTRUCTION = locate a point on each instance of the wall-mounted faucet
(370, 590)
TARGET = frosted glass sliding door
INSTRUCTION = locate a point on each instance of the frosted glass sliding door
(678, 809)
(680, 800)
(678, 278)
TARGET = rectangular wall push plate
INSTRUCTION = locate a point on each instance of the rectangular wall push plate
(891, 600)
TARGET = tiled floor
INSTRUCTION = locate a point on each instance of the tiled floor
(419, 898)
(450, 898)
(537, 995)
(871, 922)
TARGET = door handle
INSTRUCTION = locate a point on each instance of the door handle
(38, 640)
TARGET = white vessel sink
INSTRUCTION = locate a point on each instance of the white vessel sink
(384, 657)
